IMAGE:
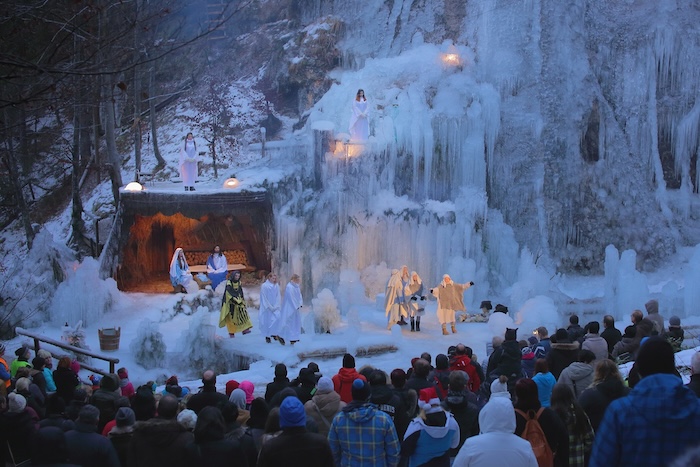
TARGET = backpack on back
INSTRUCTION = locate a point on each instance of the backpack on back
(534, 434)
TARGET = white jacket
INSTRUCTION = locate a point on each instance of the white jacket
(497, 445)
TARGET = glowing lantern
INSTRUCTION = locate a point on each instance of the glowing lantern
(231, 183)
(451, 59)
(133, 186)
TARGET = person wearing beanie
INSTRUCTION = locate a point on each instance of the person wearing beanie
(172, 386)
(499, 387)
(562, 353)
(307, 385)
(17, 427)
(497, 444)
(324, 404)
(22, 360)
(211, 447)
(120, 436)
(160, 440)
(259, 412)
(36, 373)
(231, 385)
(441, 374)
(430, 436)
(238, 432)
(127, 389)
(279, 382)
(188, 419)
(527, 358)
(85, 446)
(342, 381)
(105, 399)
(462, 361)
(295, 447)
(675, 334)
(652, 307)
(659, 419)
(361, 434)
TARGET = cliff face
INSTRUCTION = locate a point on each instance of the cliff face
(596, 138)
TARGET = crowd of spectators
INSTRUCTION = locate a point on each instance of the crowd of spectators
(567, 388)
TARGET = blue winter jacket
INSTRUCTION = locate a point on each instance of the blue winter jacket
(655, 423)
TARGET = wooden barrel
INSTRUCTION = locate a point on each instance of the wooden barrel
(109, 338)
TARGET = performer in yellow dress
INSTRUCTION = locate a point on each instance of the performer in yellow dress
(234, 314)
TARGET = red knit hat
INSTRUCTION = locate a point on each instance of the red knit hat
(230, 386)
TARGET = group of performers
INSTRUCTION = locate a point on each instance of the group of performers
(404, 298)
(181, 277)
(280, 319)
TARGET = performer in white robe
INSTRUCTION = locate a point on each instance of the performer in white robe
(359, 119)
(290, 316)
(217, 267)
(179, 271)
(270, 306)
(394, 300)
(450, 297)
(415, 300)
(188, 162)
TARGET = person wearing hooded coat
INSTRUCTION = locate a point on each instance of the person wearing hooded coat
(279, 382)
(607, 386)
(430, 436)
(507, 359)
(563, 353)
(324, 405)
(307, 385)
(342, 381)
(579, 375)
(652, 307)
(496, 445)
(395, 300)
(462, 404)
(210, 447)
(105, 399)
(17, 427)
(180, 276)
(161, 440)
(659, 418)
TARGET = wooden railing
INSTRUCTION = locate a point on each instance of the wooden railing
(77, 350)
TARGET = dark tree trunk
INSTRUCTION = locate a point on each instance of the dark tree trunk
(154, 123)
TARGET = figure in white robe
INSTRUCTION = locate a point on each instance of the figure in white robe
(180, 275)
(290, 316)
(217, 267)
(450, 297)
(188, 162)
(395, 300)
(359, 119)
(270, 306)
(415, 300)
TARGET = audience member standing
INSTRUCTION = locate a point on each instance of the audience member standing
(295, 446)
(207, 396)
(607, 386)
(496, 445)
(563, 353)
(593, 342)
(85, 446)
(658, 420)
(611, 334)
(361, 434)
(342, 381)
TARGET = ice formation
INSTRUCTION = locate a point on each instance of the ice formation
(325, 311)
(148, 346)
